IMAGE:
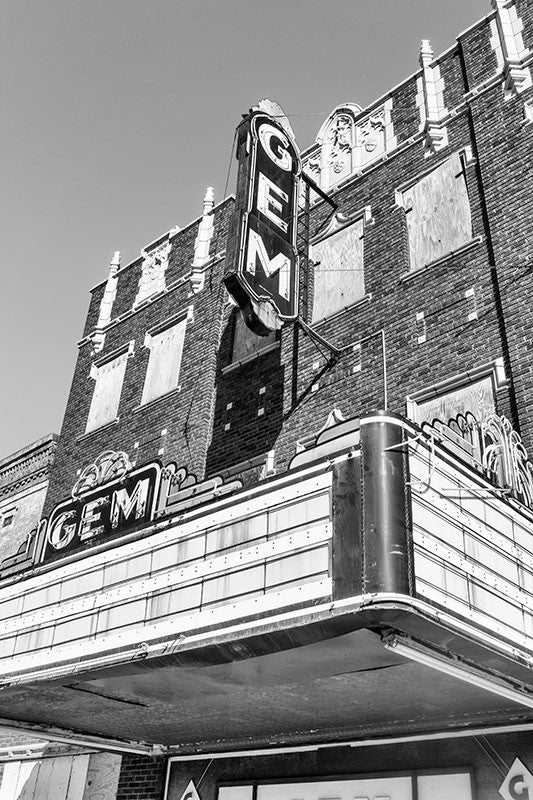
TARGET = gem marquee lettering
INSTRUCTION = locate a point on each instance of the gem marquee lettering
(131, 500)
(105, 510)
(263, 264)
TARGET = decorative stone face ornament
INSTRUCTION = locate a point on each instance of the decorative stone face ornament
(152, 280)
(370, 132)
(339, 143)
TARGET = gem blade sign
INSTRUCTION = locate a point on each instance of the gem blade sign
(262, 272)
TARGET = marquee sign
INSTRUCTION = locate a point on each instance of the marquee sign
(111, 498)
(262, 275)
(106, 510)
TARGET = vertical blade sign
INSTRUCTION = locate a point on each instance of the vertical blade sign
(262, 273)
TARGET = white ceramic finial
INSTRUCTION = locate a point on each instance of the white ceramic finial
(426, 52)
(209, 200)
(115, 261)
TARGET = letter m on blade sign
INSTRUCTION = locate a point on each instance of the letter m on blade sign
(190, 793)
(262, 262)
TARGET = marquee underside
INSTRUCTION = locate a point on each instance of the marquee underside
(333, 689)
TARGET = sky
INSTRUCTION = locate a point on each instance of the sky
(117, 115)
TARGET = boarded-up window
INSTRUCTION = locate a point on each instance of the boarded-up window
(163, 371)
(438, 213)
(46, 779)
(109, 377)
(476, 398)
(339, 279)
(245, 342)
(80, 777)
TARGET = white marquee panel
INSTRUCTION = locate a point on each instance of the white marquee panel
(256, 556)
(473, 549)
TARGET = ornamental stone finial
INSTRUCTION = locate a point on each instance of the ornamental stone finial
(106, 305)
(426, 52)
(114, 266)
(508, 44)
(430, 101)
(203, 242)
(425, 48)
(209, 200)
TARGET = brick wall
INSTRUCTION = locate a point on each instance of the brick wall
(185, 414)
(141, 778)
(220, 417)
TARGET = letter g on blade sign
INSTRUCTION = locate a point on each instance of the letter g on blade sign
(262, 262)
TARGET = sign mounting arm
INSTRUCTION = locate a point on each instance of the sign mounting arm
(317, 190)
(336, 352)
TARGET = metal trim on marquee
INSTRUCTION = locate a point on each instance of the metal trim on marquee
(262, 273)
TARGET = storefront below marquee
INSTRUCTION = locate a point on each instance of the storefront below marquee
(464, 767)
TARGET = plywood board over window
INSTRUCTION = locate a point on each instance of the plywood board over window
(339, 279)
(78, 777)
(437, 211)
(166, 347)
(472, 392)
(475, 398)
(109, 377)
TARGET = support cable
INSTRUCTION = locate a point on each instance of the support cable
(498, 303)
(478, 740)
(316, 337)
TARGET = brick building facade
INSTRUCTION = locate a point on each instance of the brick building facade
(332, 597)
(24, 480)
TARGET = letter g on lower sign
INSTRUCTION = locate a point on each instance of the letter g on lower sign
(190, 793)
(518, 783)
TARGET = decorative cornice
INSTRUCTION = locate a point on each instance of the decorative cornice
(28, 465)
(24, 483)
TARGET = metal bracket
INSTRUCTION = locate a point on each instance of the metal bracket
(317, 190)
(336, 352)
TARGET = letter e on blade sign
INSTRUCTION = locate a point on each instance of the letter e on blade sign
(190, 793)
(262, 263)
(518, 784)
